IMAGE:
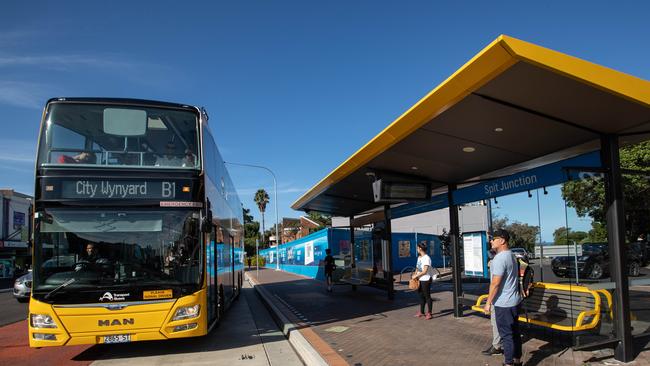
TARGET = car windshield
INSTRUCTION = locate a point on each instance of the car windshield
(593, 248)
(114, 248)
(88, 135)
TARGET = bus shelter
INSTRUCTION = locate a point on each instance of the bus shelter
(513, 107)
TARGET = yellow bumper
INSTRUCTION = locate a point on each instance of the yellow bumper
(90, 323)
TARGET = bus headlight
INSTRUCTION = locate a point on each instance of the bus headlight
(42, 321)
(187, 312)
(44, 337)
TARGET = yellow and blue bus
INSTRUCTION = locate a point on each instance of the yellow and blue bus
(138, 229)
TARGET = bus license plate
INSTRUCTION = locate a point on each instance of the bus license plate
(119, 338)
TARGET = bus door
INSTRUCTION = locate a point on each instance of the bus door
(211, 265)
(228, 261)
(234, 258)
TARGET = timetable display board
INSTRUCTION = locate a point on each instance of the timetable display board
(475, 254)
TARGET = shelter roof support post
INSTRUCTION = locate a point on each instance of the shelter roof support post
(454, 239)
(616, 238)
(388, 269)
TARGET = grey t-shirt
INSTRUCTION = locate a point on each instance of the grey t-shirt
(504, 264)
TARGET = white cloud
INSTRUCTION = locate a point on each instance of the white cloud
(24, 94)
(13, 37)
(251, 191)
(64, 62)
(18, 152)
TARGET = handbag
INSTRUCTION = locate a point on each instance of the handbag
(414, 284)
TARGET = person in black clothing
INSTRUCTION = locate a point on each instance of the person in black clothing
(329, 268)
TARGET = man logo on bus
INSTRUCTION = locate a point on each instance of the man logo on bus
(107, 296)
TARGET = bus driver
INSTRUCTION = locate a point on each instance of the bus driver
(91, 256)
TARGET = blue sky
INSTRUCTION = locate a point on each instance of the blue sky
(297, 86)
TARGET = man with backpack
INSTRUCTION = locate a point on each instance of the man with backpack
(526, 278)
(505, 295)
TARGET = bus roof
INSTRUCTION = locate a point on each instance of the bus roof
(153, 103)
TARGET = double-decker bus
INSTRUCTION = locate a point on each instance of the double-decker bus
(138, 228)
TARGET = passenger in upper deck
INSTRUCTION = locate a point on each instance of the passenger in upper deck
(169, 159)
(86, 157)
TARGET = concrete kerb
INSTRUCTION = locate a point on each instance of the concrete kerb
(302, 346)
(5, 290)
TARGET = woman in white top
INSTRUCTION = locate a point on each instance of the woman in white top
(423, 272)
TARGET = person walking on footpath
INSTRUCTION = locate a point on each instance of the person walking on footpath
(422, 273)
(497, 346)
(505, 296)
(329, 268)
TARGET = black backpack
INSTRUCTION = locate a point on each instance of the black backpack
(526, 276)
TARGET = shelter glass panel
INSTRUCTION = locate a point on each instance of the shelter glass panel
(585, 269)
(635, 160)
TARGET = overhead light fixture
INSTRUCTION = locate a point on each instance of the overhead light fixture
(545, 191)
(469, 149)
(414, 168)
(529, 194)
(495, 201)
(498, 129)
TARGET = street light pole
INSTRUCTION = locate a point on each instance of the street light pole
(277, 218)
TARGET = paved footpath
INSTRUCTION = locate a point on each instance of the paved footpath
(248, 336)
(364, 328)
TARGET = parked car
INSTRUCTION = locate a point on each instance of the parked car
(521, 253)
(23, 287)
(593, 264)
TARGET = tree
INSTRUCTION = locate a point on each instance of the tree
(323, 220)
(251, 232)
(564, 236)
(521, 235)
(587, 195)
(261, 199)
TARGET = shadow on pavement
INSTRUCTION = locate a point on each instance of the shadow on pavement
(236, 330)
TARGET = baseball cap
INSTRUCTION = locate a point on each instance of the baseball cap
(501, 233)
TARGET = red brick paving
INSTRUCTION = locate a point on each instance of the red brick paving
(383, 332)
(14, 350)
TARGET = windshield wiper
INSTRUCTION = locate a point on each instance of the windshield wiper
(61, 286)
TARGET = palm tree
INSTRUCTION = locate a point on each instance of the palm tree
(261, 199)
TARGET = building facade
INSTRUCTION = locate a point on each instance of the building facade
(15, 233)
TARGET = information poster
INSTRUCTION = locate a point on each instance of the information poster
(474, 254)
(309, 252)
(404, 248)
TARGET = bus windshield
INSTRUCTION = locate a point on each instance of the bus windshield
(84, 134)
(116, 248)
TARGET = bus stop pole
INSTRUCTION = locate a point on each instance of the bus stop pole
(617, 247)
(257, 258)
(352, 264)
(352, 261)
(454, 239)
(388, 236)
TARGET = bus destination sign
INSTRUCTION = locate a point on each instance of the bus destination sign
(120, 190)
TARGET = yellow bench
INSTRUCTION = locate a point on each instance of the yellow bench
(562, 307)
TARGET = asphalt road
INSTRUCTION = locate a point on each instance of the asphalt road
(12, 310)
(549, 276)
